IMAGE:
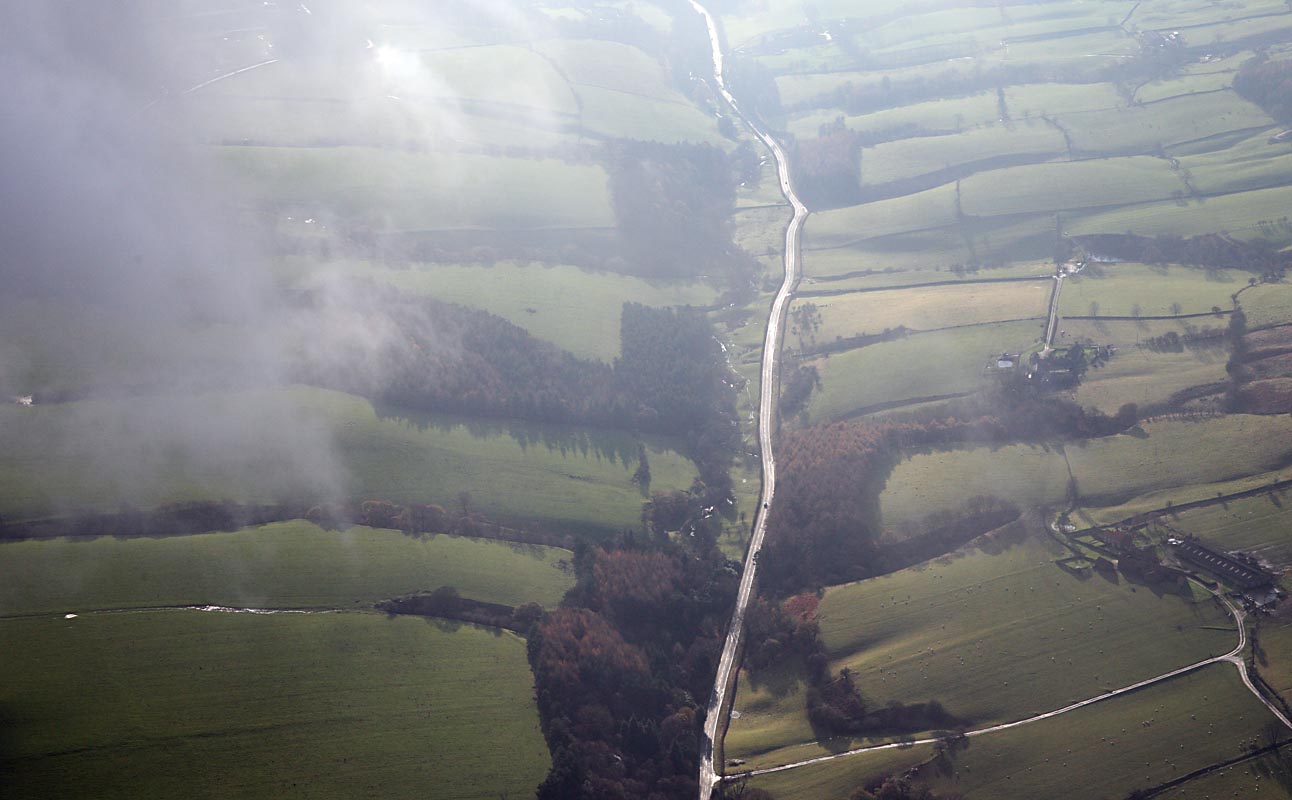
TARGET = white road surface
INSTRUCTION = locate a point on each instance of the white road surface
(727, 665)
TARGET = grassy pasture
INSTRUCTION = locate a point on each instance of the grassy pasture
(1157, 500)
(504, 74)
(1122, 287)
(1258, 525)
(614, 114)
(311, 443)
(297, 122)
(930, 308)
(1223, 33)
(64, 343)
(1238, 214)
(1190, 13)
(1107, 750)
(623, 92)
(608, 65)
(937, 632)
(187, 704)
(289, 564)
(573, 308)
(1267, 304)
(1103, 750)
(1144, 377)
(916, 275)
(947, 114)
(1252, 163)
(933, 208)
(1168, 88)
(910, 158)
(426, 191)
(1069, 185)
(1108, 45)
(1268, 777)
(1108, 471)
(1033, 99)
(1274, 658)
(1140, 129)
(933, 250)
(925, 365)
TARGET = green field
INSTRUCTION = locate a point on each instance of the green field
(1034, 99)
(573, 308)
(1256, 525)
(1141, 129)
(1102, 751)
(1268, 304)
(930, 308)
(1167, 88)
(1069, 185)
(1108, 471)
(1252, 163)
(924, 365)
(934, 115)
(395, 191)
(210, 705)
(936, 632)
(1268, 777)
(283, 565)
(915, 274)
(309, 443)
(1144, 377)
(910, 158)
(929, 209)
(1237, 214)
(1118, 289)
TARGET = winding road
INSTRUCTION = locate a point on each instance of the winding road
(728, 663)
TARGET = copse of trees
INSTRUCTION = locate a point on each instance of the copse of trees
(622, 669)
(670, 378)
(673, 370)
(1268, 84)
(827, 168)
(672, 205)
(1217, 250)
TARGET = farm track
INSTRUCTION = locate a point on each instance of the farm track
(728, 663)
(1233, 657)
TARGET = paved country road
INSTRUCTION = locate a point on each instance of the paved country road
(728, 664)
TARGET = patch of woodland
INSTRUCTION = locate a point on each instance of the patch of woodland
(1268, 84)
(170, 519)
(1213, 250)
(671, 377)
(797, 386)
(446, 603)
(825, 527)
(672, 205)
(624, 667)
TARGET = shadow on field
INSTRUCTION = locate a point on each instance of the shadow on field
(779, 681)
(8, 745)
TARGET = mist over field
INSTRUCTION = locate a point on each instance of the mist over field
(142, 240)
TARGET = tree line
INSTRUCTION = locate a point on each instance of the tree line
(1268, 84)
(670, 378)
